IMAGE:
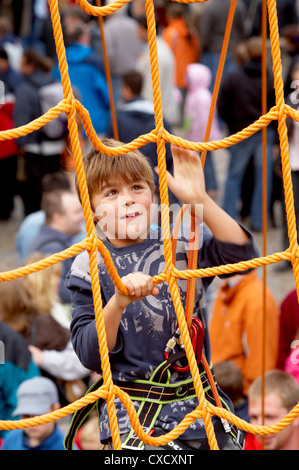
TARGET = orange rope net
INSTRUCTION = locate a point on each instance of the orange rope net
(71, 107)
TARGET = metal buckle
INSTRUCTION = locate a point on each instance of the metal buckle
(153, 387)
(239, 440)
(133, 435)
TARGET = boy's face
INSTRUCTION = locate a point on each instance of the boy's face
(274, 411)
(123, 211)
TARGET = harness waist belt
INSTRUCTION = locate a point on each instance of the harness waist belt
(160, 393)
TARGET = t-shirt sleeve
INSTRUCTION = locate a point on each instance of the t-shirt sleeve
(83, 329)
(214, 252)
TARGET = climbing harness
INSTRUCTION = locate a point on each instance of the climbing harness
(152, 394)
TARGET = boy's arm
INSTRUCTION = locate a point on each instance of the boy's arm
(188, 185)
(83, 326)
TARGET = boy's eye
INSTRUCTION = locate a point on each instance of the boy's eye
(137, 186)
(111, 192)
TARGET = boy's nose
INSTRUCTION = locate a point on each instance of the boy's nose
(127, 198)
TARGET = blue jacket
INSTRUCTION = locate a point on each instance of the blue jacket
(49, 241)
(16, 365)
(87, 77)
(18, 440)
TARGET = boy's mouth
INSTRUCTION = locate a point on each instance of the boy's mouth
(132, 215)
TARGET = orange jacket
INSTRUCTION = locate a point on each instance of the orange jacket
(236, 327)
(185, 51)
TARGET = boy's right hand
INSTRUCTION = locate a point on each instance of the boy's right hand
(139, 286)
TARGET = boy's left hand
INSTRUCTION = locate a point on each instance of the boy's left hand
(139, 285)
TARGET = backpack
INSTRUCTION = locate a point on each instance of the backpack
(49, 96)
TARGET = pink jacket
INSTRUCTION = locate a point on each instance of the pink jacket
(198, 103)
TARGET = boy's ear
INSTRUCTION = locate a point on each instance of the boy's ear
(94, 218)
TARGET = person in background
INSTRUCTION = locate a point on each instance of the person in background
(170, 94)
(230, 380)
(281, 395)
(288, 328)
(239, 105)
(183, 40)
(42, 154)
(16, 365)
(293, 139)
(236, 326)
(87, 75)
(124, 46)
(64, 217)
(31, 224)
(9, 150)
(211, 27)
(196, 114)
(47, 339)
(11, 43)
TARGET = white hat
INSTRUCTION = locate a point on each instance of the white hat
(35, 396)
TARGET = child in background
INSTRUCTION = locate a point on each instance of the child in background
(36, 396)
(196, 113)
(183, 40)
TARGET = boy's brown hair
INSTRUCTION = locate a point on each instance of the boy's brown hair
(100, 168)
(278, 382)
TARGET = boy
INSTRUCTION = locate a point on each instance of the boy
(139, 325)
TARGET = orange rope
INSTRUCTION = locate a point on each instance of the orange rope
(224, 49)
(265, 184)
(108, 75)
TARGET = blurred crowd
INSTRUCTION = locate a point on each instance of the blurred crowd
(39, 168)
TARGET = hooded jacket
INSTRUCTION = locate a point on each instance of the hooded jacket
(87, 77)
(185, 50)
(236, 327)
(16, 365)
(240, 97)
(198, 103)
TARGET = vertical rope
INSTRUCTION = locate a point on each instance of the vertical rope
(265, 166)
(73, 130)
(149, 7)
(224, 49)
